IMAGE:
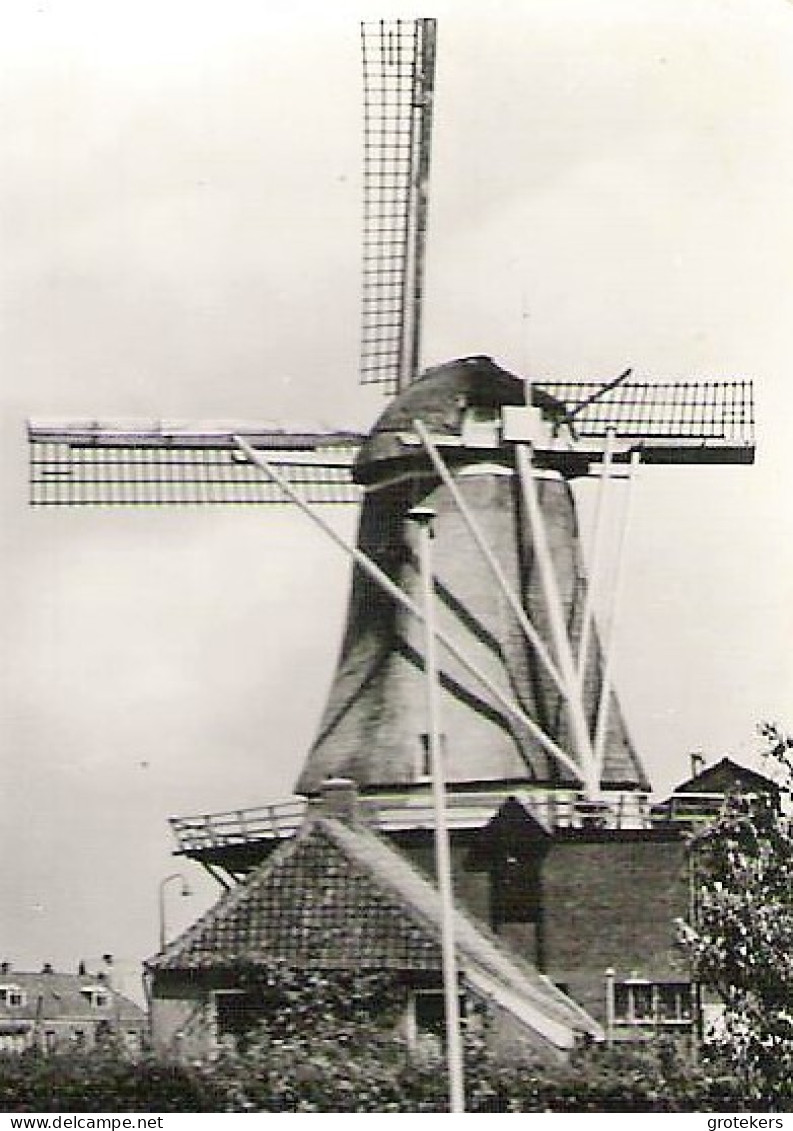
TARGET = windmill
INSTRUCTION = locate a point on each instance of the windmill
(527, 695)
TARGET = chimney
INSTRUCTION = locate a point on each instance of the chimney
(339, 798)
(82, 969)
(5, 967)
(697, 762)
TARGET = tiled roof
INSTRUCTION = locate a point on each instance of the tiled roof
(340, 897)
(484, 960)
(726, 776)
(311, 905)
(64, 997)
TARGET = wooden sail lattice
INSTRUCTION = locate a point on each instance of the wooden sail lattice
(96, 465)
(398, 73)
(682, 421)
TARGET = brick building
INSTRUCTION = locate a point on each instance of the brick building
(336, 897)
(584, 907)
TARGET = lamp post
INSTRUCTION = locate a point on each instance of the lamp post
(183, 891)
(423, 518)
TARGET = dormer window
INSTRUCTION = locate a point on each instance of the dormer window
(12, 996)
(97, 996)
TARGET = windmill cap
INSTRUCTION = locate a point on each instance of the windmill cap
(439, 399)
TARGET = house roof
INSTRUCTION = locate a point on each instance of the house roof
(340, 897)
(726, 776)
(64, 997)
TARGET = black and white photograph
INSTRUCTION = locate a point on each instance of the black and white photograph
(396, 697)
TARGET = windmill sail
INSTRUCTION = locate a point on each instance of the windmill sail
(123, 464)
(399, 79)
(680, 422)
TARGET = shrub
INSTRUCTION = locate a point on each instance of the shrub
(366, 1070)
(740, 936)
(103, 1081)
(360, 1068)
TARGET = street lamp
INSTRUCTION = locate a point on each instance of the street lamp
(423, 518)
(183, 891)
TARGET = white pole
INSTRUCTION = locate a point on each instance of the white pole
(594, 564)
(451, 990)
(582, 743)
(529, 630)
(604, 704)
(610, 1006)
(384, 581)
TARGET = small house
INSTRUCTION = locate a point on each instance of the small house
(54, 1011)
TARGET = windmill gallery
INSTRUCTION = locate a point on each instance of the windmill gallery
(468, 545)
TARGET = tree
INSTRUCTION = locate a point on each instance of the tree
(740, 938)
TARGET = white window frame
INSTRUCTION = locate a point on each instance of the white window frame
(684, 1012)
(12, 995)
(98, 996)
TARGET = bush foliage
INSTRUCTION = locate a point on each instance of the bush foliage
(740, 937)
(370, 1071)
(103, 1080)
(364, 1070)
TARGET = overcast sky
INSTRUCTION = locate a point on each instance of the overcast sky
(180, 207)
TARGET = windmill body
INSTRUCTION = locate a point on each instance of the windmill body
(373, 729)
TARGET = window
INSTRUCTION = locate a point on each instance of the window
(429, 1008)
(12, 996)
(424, 768)
(516, 886)
(237, 1013)
(639, 1002)
(97, 996)
(674, 1002)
